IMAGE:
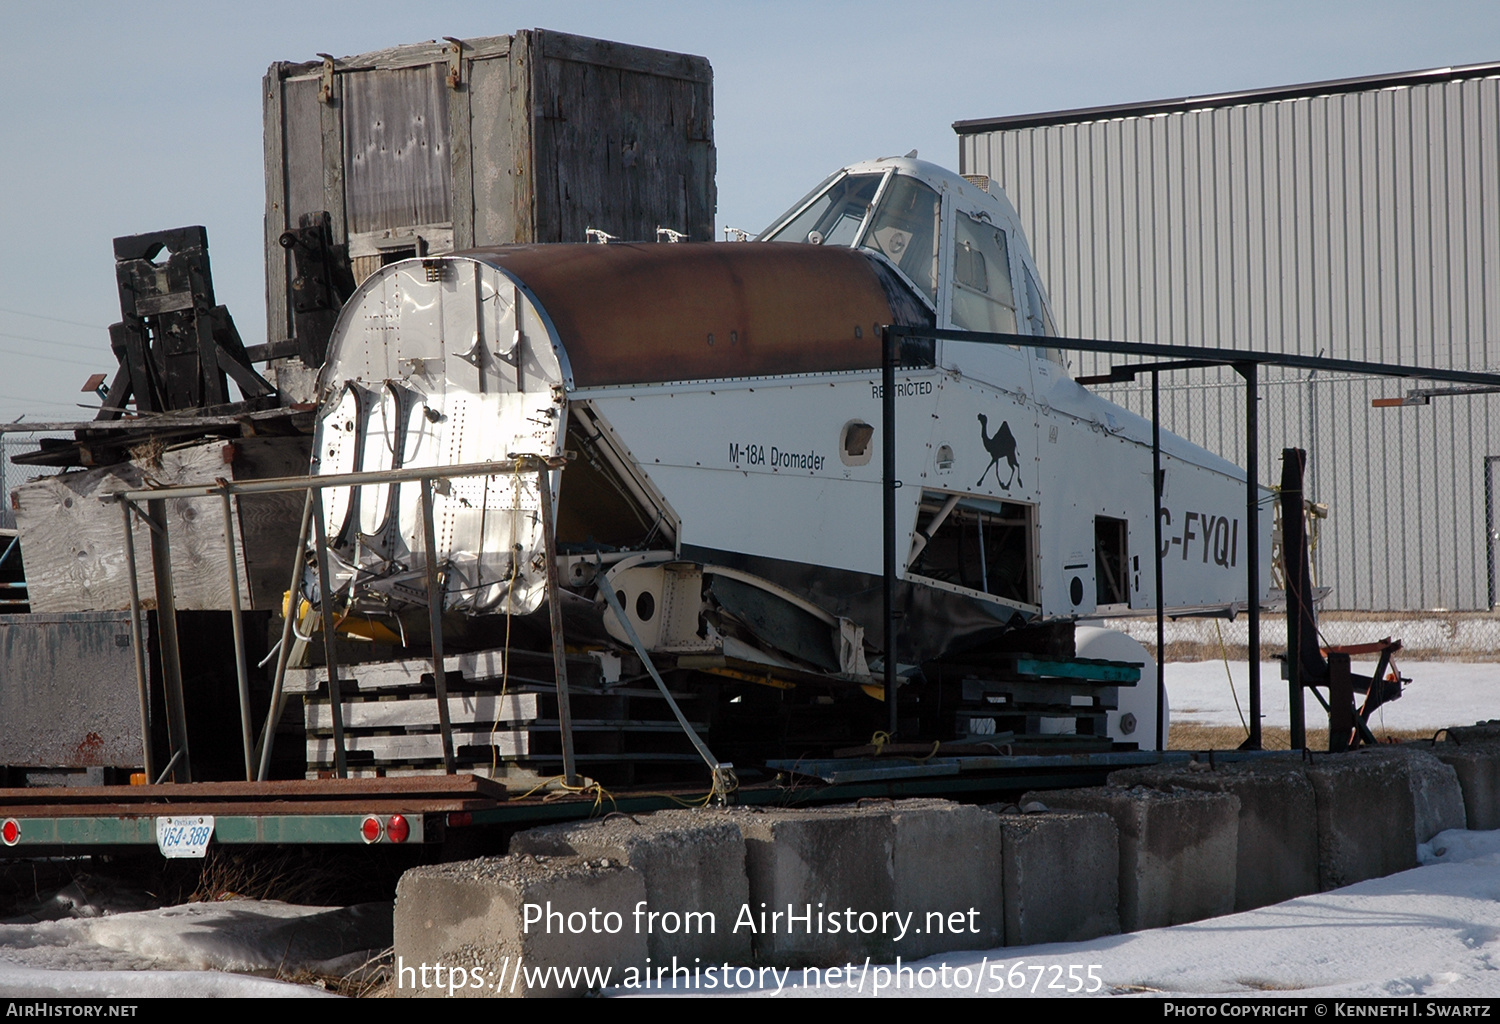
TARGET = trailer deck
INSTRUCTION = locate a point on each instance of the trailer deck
(426, 809)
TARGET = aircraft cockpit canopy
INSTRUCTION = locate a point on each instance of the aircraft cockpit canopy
(957, 243)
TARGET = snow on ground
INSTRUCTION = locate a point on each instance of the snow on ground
(1432, 931)
(183, 950)
(1440, 694)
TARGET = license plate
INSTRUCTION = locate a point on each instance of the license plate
(184, 837)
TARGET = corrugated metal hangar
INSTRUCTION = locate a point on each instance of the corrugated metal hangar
(1357, 219)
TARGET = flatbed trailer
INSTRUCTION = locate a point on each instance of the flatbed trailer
(432, 809)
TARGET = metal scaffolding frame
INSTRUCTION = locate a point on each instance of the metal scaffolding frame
(257, 767)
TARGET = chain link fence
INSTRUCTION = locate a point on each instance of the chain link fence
(1403, 516)
(13, 476)
(1401, 502)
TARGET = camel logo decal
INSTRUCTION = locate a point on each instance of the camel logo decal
(1002, 445)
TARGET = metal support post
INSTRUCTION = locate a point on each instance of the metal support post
(283, 651)
(435, 618)
(242, 675)
(554, 608)
(888, 343)
(1340, 699)
(137, 644)
(1252, 544)
(166, 625)
(325, 600)
(1161, 619)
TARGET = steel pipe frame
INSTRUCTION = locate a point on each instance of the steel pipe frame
(283, 650)
(435, 623)
(137, 643)
(1245, 363)
(241, 673)
(277, 484)
(312, 510)
(554, 609)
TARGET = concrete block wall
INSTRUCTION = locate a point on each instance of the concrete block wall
(912, 878)
(472, 917)
(1060, 873)
(1475, 760)
(933, 864)
(1276, 857)
(1177, 850)
(690, 863)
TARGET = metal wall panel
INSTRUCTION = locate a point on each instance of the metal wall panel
(74, 701)
(1361, 223)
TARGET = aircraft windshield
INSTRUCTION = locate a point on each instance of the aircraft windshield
(905, 230)
(834, 217)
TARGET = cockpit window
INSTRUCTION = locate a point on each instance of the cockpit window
(905, 229)
(1038, 320)
(834, 217)
(983, 298)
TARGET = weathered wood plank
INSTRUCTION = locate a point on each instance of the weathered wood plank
(492, 156)
(273, 118)
(407, 56)
(523, 71)
(460, 151)
(477, 666)
(74, 543)
(331, 124)
(463, 709)
(621, 150)
(623, 56)
(424, 747)
(396, 148)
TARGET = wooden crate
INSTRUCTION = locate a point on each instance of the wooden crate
(531, 137)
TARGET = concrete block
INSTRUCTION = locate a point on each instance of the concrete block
(946, 871)
(690, 862)
(1177, 850)
(471, 916)
(1061, 876)
(1479, 732)
(1477, 766)
(1366, 818)
(837, 884)
(1437, 797)
(1276, 856)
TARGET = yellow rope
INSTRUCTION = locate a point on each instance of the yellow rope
(1224, 653)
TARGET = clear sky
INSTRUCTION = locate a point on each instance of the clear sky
(130, 117)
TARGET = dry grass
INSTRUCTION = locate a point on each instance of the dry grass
(372, 979)
(1185, 736)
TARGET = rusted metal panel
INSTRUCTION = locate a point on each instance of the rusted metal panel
(629, 314)
(70, 699)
